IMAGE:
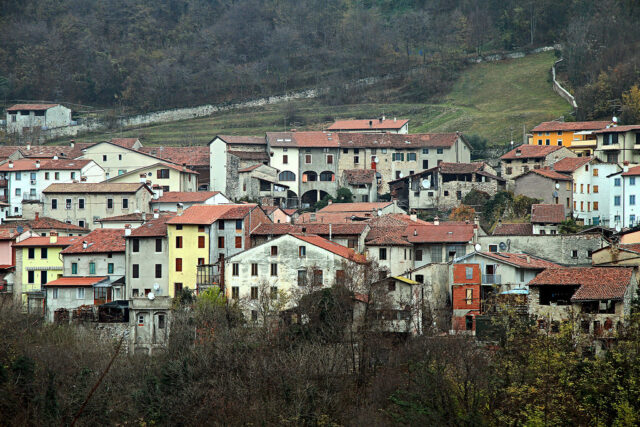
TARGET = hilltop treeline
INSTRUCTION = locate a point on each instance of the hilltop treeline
(147, 54)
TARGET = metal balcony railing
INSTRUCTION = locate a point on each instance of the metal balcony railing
(491, 279)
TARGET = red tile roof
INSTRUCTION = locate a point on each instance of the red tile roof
(521, 260)
(8, 233)
(136, 216)
(391, 236)
(76, 281)
(333, 217)
(102, 240)
(249, 140)
(366, 124)
(185, 196)
(34, 107)
(290, 211)
(392, 140)
(360, 176)
(46, 241)
(101, 187)
(30, 165)
(250, 155)
(250, 168)
(332, 247)
(616, 129)
(156, 227)
(124, 142)
(197, 155)
(50, 151)
(548, 173)
(634, 171)
(461, 168)
(508, 229)
(596, 283)
(340, 229)
(302, 139)
(546, 213)
(208, 214)
(46, 223)
(355, 207)
(528, 151)
(633, 247)
(441, 233)
(570, 164)
(570, 126)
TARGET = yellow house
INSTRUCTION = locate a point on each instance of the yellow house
(38, 261)
(573, 135)
(168, 176)
(188, 247)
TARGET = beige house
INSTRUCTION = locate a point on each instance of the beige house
(618, 144)
(168, 176)
(117, 159)
(526, 157)
(84, 204)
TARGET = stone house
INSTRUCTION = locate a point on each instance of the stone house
(618, 144)
(527, 157)
(351, 235)
(168, 176)
(84, 204)
(546, 219)
(25, 179)
(228, 154)
(596, 299)
(617, 255)
(548, 186)
(363, 184)
(168, 201)
(380, 125)
(445, 186)
(100, 253)
(65, 294)
(27, 118)
(260, 182)
(291, 265)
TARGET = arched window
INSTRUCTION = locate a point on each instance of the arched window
(287, 176)
(309, 176)
(327, 176)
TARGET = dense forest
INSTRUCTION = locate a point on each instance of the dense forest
(146, 54)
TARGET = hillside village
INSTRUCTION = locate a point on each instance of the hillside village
(112, 232)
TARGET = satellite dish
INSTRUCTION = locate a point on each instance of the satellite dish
(151, 296)
(379, 212)
(502, 246)
(615, 119)
(156, 286)
(426, 183)
(375, 159)
(401, 175)
(19, 229)
(478, 247)
(557, 186)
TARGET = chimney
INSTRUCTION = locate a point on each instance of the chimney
(293, 130)
(184, 166)
(84, 244)
(37, 164)
(72, 143)
(29, 146)
(144, 216)
(53, 237)
(528, 259)
(395, 119)
(127, 229)
(10, 164)
(415, 231)
(37, 216)
(143, 178)
(413, 217)
(436, 220)
(55, 158)
(476, 220)
(626, 163)
(329, 201)
(148, 183)
(370, 123)
(179, 208)
(156, 213)
(157, 191)
(381, 119)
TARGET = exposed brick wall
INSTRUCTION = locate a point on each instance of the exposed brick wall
(459, 297)
(255, 218)
(460, 274)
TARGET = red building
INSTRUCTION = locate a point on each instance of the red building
(466, 299)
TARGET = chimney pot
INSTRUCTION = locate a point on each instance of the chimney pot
(436, 220)
(84, 244)
(38, 217)
(53, 237)
(37, 164)
(10, 164)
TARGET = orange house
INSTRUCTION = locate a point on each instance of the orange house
(573, 135)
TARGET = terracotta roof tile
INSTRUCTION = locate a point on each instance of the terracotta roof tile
(528, 151)
(367, 124)
(76, 281)
(102, 240)
(208, 214)
(545, 213)
(46, 223)
(250, 155)
(46, 241)
(302, 139)
(197, 155)
(569, 126)
(30, 165)
(156, 227)
(548, 173)
(36, 107)
(461, 168)
(332, 247)
(359, 176)
(101, 187)
(634, 171)
(290, 211)
(355, 207)
(248, 140)
(570, 164)
(136, 216)
(596, 283)
(522, 260)
(50, 151)
(8, 233)
(250, 168)
(616, 129)
(340, 229)
(441, 233)
(509, 229)
(185, 196)
(392, 140)
(125, 142)
(333, 217)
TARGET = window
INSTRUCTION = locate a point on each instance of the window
(581, 188)
(469, 296)
(201, 242)
(345, 150)
(178, 264)
(163, 174)
(547, 142)
(79, 293)
(54, 203)
(221, 224)
(274, 250)
(80, 203)
(356, 160)
(574, 254)
(274, 269)
(468, 271)
(92, 268)
(391, 287)
(159, 271)
(32, 253)
(235, 292)
(254, 292)
(220, 242)
(158, 245)
(398, 157)
(200, 261)
(135, 245)
(616, 182)
(595, 206)
(632, 199)
(382, 254)
(109, 203)
(436, 254)
(287, 176)
(18, 176)
(104, 157)
(317, 277)
(632, 219)
(302, 277)
(54, 293)
(632, 180)
(440, 150)
(125, 203)
(425, 164)
(74, 268)
(329, 159)
(31, 276)
(110, 268)
(616, 200)
(595, 188)
(238, 242)
(235, 269)
(274, 292)
(307, 159)
(559, 142)
(177, 288)
(418, 254)
(327, 176)
(178, 242)
(411, 157)
(18, 192)
(238, 224)
(425, 151)
(179, 227)
(302, 251)
(254, 269)
(68, 204)
(285, 159)
(81, 223)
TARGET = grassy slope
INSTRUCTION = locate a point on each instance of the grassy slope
(487, 100)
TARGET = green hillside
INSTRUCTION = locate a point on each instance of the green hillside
(488, 99)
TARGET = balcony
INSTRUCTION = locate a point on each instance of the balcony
(6, 288)
(584, 143)
(611, 147)
(207, 275)
(491, 279)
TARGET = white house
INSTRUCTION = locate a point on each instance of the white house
(25, 179)
(625, 197)
(22, 118)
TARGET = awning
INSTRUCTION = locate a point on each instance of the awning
(516, 292)
(109, 282)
